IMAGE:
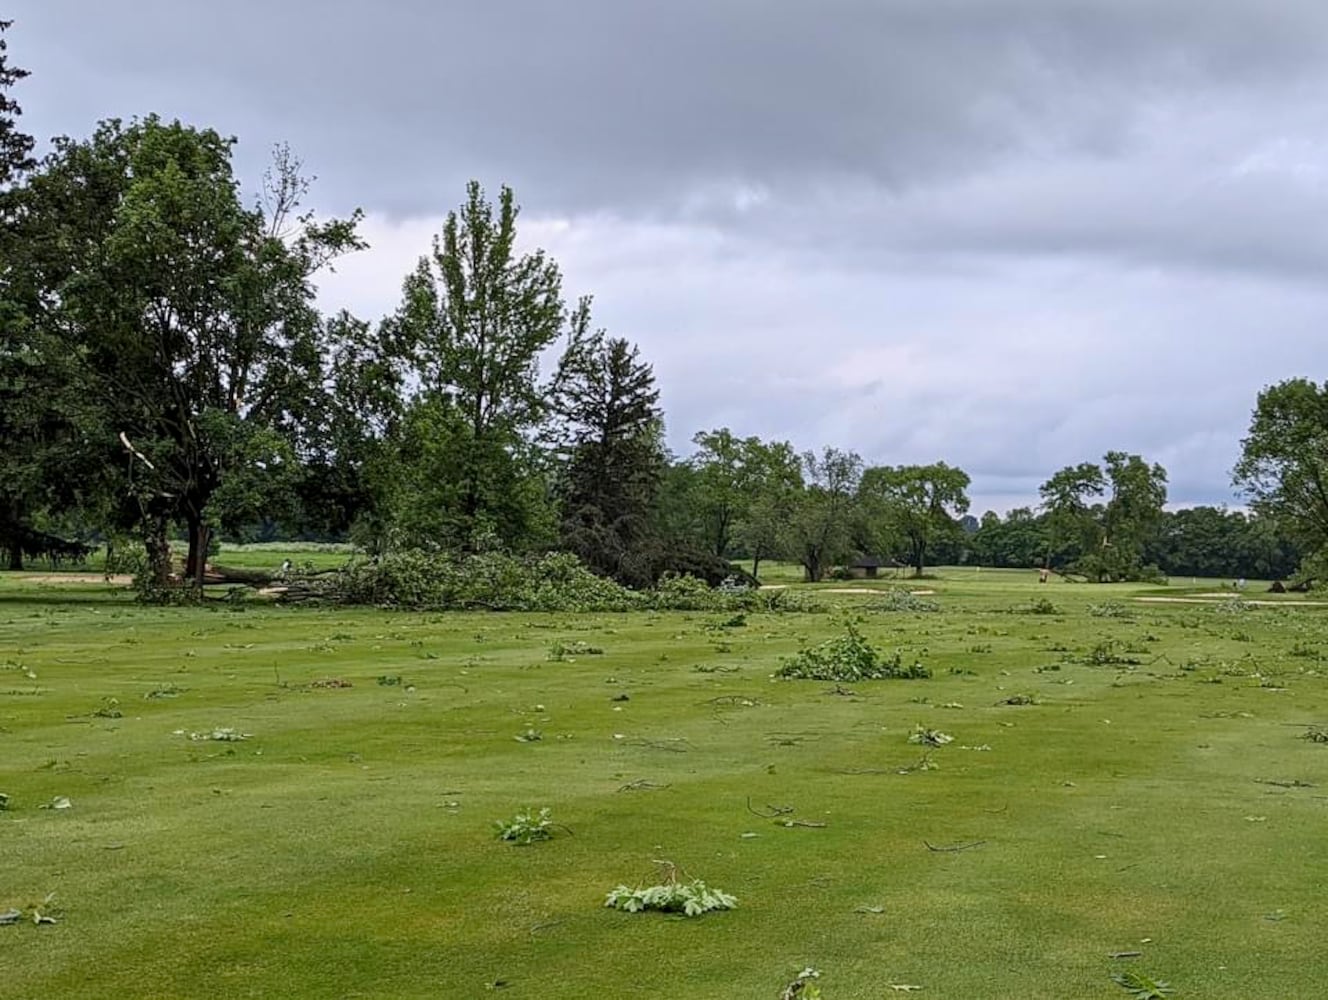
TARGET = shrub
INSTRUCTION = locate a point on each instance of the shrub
(1040, 606)
(849, 657)
(1110, 609)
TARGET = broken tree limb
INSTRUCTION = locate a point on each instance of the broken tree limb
(955, 848)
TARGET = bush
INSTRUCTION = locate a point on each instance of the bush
(557, 582)
(1110, 609)
(902, 600)
(1040, 606)
(849, 657)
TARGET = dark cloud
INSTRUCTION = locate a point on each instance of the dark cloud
(1011, 234)
(631, 105)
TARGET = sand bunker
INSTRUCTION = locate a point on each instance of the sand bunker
(119, 580)
(1209, 599)
(848, 590)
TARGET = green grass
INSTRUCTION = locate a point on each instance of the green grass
(347, 849)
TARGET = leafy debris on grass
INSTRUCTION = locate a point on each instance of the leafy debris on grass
(526, 827)
(849, 657)
(691, 899)
(1141, 987)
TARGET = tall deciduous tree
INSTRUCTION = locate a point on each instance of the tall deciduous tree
(722, 486)
(191, 314)
(1137, 494)
(1283, 467)
(477, 315)
(776, 485)
(1068, 504)
(607, 406)
(28, 419)
(919, 502)
(348, 448)
(820, 527)
(743, 491)
(1105, 540)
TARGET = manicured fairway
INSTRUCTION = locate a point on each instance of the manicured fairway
(345, 848)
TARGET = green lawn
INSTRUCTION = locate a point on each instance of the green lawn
(346, 849)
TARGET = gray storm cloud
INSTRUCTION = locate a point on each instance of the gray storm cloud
(1007, 233)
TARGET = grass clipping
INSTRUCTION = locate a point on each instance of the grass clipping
(849, 657)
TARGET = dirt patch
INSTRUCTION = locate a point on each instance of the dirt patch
(119, 580)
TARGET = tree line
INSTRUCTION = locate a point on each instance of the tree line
(166, 372)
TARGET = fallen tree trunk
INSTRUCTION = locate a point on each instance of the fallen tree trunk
(220, 576)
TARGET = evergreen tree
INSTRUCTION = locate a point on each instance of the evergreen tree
(608, 407)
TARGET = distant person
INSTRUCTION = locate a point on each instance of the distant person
(1240, 584)
(1043, 573)
(285, 569)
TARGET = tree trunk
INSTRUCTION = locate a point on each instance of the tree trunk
(158, 549)
(199, 537)
(15, 542)
(920, 561)
(811, 565)
(756, 565)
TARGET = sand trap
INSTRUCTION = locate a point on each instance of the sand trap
(119, 580)
(848, 590)
(869, 590)
(1208, 599)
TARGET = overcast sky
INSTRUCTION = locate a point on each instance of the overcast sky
(1009, 234)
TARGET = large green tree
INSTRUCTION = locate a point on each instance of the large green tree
(722, 486)
(918, 503)
(349, 448)
(191, 316)
(1283, 467)
(819, 530)
(1136, 495)
(1070, 511)
(30, 423)
(776, 485)
(1017, 540)
(476, 315)
(743, 492)
(1100, 521)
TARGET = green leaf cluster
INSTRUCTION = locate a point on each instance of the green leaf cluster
(526, 827)
(691, 899)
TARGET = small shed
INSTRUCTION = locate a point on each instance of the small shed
(868, 567)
